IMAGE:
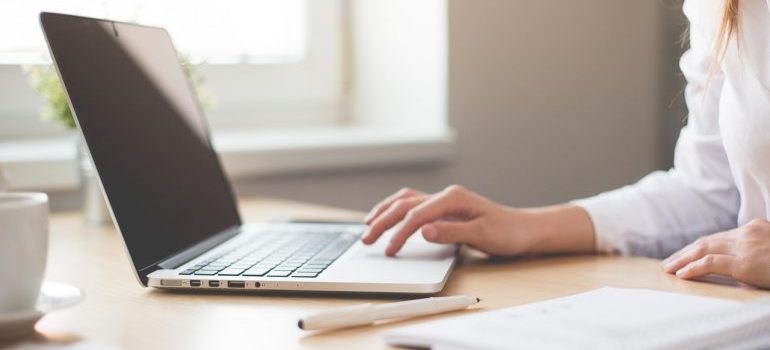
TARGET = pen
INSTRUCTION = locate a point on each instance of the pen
(364, 314)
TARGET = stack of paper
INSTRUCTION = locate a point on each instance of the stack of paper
(606, 318)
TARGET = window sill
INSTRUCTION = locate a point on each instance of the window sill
(49, 164)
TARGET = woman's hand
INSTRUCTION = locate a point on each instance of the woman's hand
(454, 215)
(457, 215)
(742, 253)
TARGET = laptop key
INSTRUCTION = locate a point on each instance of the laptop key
(240, 266)
(304, 274)
(309, 269)
(231, 272)
(290, 265)
(284, 268)
(256, 272)
(279, 273)
(215, 266)
(187, 272)
(206, 272)
(271, 261)
(266, 266)
(317, 266)
(320, 261)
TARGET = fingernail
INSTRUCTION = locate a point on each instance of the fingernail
(389, 250)
(680, 272)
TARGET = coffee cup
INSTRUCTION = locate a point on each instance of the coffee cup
(23, 249)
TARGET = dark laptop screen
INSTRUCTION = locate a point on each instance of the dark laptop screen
(147, 136)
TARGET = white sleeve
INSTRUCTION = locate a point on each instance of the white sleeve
(666, 210)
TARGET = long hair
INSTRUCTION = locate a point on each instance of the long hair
(728, 28)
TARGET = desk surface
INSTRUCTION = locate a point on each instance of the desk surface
(118, 313)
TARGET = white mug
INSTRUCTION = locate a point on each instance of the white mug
(23, 249)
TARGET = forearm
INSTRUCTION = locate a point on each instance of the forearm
(457, 215)
(563, 228)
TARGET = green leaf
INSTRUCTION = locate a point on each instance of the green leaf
(45, 80)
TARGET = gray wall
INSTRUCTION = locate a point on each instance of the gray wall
(551, 100)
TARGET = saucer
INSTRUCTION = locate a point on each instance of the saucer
(53, 296)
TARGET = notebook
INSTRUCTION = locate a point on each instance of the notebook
(605, 318)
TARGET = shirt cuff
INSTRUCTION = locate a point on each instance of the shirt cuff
(606, 222)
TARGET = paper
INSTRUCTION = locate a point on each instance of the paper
(606, 318)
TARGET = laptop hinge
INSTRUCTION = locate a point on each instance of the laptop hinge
(188, 254)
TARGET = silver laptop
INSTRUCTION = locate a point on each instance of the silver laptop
(167, 192)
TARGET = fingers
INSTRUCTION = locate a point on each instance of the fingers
(715, 244)
(699, 241)
(451, 232)
(387, 202)
(710, 264)
(740, 253)
(390, 217)
(450, 202)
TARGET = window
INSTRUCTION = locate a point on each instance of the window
(245, 47)
(260, 31)
(349, 83)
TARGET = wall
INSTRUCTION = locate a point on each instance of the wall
(551, 100)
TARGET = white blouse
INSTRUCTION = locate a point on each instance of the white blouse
(721, 174)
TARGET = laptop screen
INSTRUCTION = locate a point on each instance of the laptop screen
(146, 134)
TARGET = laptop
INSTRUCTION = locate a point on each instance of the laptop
(169, 197)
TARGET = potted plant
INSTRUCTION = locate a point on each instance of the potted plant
(45, 80)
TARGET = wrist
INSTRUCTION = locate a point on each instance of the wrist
(563, 228)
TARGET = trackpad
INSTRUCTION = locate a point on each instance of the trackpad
(415, 249)
(418, 263)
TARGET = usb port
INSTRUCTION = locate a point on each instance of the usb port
(195, 283)
(236, 284)
(213, 283)
(171, 283)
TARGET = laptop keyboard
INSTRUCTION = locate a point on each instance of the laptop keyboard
(300, 253)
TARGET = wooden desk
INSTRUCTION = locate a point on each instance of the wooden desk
(120, 314)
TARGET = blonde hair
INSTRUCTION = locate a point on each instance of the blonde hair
(728, 27)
